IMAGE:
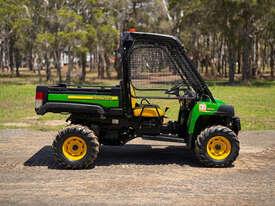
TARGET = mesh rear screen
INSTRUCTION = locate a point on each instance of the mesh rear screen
(151, 67)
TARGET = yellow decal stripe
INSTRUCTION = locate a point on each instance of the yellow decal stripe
(98, 97)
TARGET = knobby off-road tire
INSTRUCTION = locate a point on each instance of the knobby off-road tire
(76, 147)
(217, 146)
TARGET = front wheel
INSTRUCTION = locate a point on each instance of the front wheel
(217, 146)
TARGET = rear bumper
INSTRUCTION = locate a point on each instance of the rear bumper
(58, 107)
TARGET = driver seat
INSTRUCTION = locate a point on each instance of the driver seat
(144, 110)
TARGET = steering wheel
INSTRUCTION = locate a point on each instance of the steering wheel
(175, 89)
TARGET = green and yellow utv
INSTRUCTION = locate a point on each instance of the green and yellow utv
(156, 75)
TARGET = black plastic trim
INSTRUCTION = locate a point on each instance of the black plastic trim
(226, 110)
(164, 138)
(57, 107)
(236, 124)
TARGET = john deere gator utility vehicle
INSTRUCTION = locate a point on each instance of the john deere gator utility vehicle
(155, 68)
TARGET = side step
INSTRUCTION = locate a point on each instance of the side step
(165, 138)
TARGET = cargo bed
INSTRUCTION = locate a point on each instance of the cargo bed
(77, 99)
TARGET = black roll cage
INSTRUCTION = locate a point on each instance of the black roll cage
(173, 44)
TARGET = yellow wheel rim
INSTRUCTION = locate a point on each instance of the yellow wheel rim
(218, 147)
(74, 148)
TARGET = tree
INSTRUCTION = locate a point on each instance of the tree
(44, 44)
(269, 34)
(239, 23)
(9, 13)
(221, 36)
(72, 36)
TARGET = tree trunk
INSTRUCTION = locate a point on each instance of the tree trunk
(225, 66)
(239, 60)
(256, 60)
(92, 61)
(108, 65)
(83, 68)
(212, 57)
(39, 66)
(246, 56)
(101, 65)
(206, 66)
(70, 66)
(272, 56)
(246, 63)
(6, 61)
(220, 56)
(30, 59)
(195, 56)
(207, 58)
(48, 69)
(231, 63)
(118, 66)
(17, 71)
(58, 65)
(17, 61)
(264, 56)
(11, 55)
(1, 56)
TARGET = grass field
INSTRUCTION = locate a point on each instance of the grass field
(255, 104)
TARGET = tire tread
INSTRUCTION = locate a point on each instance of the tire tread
(202, 155)
(90, 138)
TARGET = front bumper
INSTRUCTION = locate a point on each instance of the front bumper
(236, 124)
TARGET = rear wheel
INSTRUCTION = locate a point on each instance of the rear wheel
(76, 147)
(217, 146)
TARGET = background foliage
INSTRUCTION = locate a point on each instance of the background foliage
(226, 39)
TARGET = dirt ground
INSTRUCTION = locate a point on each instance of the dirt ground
(139, 173)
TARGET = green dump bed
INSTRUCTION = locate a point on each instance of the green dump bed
(89, 99)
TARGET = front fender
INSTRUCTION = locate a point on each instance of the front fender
(207, 108)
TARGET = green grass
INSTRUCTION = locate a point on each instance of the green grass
(16, 101)
(254, 104)
(17, 108)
